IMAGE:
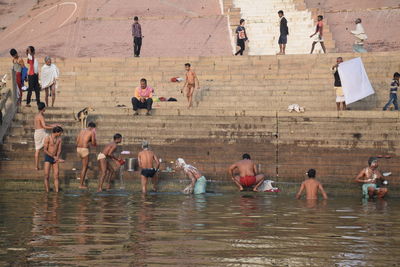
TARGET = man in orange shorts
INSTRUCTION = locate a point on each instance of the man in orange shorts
(247, 173)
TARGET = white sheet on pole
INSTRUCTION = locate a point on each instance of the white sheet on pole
(355, 82)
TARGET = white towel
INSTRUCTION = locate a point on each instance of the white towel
(49, 75)
(355, 82)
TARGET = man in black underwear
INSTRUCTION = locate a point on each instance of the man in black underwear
(146, 157)
(52, 151)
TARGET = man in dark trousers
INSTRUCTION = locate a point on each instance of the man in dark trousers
(137, 36)
(284, 30)
(33, 76)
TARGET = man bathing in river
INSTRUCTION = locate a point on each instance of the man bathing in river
(104, 158)
(371, 177)
(146, 157)
(311, 186)
(40, 131)
(199, 182)
(247, 173)
(85, 138)
(52, 151)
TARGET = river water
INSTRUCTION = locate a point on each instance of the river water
(119, 228)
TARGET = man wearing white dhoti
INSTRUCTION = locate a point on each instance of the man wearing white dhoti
(359, 34)
(40, 131)
(49, 76)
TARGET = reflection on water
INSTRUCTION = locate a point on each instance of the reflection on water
(121, 229)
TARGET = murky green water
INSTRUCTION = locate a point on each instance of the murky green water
(121, 229)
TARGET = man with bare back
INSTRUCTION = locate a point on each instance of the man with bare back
(146, 157)
(40, 131)
(52, 151)
(247, 174)
(311, 186)
(104, 158)
(85, 138)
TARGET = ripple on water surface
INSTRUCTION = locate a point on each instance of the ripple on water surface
(120, 229)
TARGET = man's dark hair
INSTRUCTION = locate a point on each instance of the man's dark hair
(117, 136)
(321, 17)
(280, 12)
(31, 48)
(13, 52)
(187, 65)
(246, 156)
(371, 160)
(311, 173)
(58, 129)
(241, 21)
(396, 75)
(135, 18)
(92, 125)
(41, 106)
(340, 58)
(143, 80)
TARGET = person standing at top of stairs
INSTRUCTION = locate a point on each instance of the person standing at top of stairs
(241, 37)
(319, 32)
(137, 37)
(33, 76)
(284, 32)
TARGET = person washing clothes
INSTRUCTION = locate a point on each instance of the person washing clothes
(199, 182)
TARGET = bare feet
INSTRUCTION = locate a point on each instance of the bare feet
(37, 168)
(83, 187)
(255, 189)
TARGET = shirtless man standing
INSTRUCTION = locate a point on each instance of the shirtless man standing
(52, 151)
(83, 141)
(311, 186)
(247, 173)
(104, 157)
(146, 158)
(190, 83)
(40, 131)
(369, 177)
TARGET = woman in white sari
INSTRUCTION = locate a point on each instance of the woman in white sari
(49, 76)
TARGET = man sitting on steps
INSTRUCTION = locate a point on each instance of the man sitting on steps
(143, 98)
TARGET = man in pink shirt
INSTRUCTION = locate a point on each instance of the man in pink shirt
(143, 98)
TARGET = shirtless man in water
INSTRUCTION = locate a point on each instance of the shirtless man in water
(191, 83)
(370, 178)
(247, 174)
(52, 151)
(311, 186)
(83, 141)
(40, 131)
(104, 157)
(146, 157)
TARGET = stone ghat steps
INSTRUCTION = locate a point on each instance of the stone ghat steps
(144, 65)
(343, 169)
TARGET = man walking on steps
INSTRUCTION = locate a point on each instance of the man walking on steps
(319, 33)
(137, 36)
(284, 32)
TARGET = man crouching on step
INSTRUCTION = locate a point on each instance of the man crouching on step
(146, 158)
(247, 174)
